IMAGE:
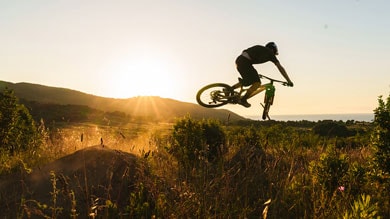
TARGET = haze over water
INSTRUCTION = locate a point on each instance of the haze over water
(363, 117)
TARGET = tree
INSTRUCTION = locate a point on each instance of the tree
(17, 128)
(331, 129)
(381, 135)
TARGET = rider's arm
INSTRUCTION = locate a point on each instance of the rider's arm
(284, 73)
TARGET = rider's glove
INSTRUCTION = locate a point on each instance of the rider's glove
(290, 84)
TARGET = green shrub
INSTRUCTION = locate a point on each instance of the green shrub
(331, 128)
(330, 170)
(215, 138)
(196, 142)
(17, 128)
(380, 141)
(381, 135)
(363, 208)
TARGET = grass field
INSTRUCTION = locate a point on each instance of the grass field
(195, 168)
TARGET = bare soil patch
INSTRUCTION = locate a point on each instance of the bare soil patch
(81, 181)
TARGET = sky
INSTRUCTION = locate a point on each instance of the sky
(336, 52)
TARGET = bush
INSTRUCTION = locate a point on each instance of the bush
(330, 128)
(363, 209)
(17, 128)
(330, 170)
(195, 142)
(381, 136)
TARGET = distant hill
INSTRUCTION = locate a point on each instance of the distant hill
(151, 108)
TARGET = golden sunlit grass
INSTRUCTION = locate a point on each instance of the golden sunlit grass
(133, 138)
(146, 102)
(99, 151)
(275, 171)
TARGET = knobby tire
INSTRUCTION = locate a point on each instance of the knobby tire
(205, 98)
(267, 105)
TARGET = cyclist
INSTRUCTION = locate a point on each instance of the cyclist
(256, 55)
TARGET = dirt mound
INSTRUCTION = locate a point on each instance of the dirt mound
(80, 181)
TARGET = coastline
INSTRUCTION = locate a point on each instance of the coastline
(363, 117)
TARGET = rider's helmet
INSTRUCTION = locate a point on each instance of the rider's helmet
(273, 47)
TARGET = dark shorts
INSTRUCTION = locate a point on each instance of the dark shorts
(247, 71)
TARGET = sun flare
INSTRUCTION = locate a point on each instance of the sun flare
(144, 77)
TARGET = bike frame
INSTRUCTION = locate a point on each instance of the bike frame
(269, 87)
(219, 94)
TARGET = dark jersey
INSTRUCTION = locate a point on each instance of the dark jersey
(261, 54)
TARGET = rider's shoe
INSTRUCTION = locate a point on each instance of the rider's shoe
(244, 102)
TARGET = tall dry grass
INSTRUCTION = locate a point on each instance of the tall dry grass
(277, 163)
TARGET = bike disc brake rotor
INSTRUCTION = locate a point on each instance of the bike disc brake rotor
(217, 95)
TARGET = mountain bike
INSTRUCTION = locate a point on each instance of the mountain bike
(219, 94)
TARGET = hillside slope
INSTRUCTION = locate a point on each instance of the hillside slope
(148, 107)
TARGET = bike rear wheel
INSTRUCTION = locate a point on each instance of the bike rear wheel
(214, 95)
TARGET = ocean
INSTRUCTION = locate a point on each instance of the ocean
(363, 117)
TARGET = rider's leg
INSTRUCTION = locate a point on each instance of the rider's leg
(237, 85)
(261, 88)
(249, 93)
(249, 77)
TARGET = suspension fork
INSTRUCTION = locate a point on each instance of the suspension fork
(269, 93)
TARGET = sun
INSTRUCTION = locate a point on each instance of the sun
(144, 76)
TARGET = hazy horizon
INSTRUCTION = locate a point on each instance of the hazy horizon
(362, 117)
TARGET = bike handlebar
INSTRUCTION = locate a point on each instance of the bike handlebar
(284, 83)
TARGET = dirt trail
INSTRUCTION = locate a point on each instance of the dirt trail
(89, 176)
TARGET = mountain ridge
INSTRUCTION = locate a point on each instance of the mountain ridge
(153, 107)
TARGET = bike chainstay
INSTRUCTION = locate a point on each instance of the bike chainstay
(231, 95)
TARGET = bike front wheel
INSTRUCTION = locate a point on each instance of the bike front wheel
(267, 105)
(214, 95)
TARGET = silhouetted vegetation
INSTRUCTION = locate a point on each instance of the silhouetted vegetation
(331, 129)
(147, 109)
(17, 128)
(207, 169)
(381, 135)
